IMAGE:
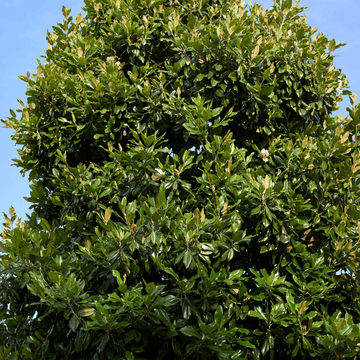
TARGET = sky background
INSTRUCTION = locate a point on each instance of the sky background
(23, 26)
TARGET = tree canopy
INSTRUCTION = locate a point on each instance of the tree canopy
(193, 197)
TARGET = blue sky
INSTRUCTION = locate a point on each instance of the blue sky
(23, 25)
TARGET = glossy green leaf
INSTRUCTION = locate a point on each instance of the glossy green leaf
(258, 313)
(187, 258)
(218, 315)
(189, 331)
(74, 323)
(129, 355)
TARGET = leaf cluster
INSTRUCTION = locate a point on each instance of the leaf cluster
(192, 195)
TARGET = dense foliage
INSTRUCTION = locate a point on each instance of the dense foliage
(192, 195)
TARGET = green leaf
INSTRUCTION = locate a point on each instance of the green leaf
(45, 224)
(186, 310)
(54, 276)
(207, 329)
(236, 274)
(246, 344)
(172, 272)
(217, 111)
(116, 274)
(106, 192)
(56, 201)
(218, 315)
(111, 122)
(219, 93)
(102, 309)
(189, 331)
(187, 258)
(82, 61)
(258, 313)
(295, 350)
(34, 341)
(256, 354)
(160, 196)
(104, 339)
(129, 355)
(74, 323)
(26, 351)
(150, 288)
(207, 115)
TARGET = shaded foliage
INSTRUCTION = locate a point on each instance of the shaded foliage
(192, 196)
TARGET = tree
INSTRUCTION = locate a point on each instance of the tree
(192, 195)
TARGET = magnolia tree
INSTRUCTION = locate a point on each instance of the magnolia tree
(192, 195)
